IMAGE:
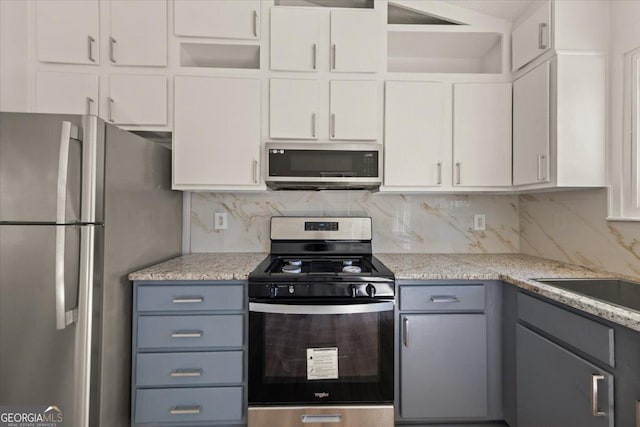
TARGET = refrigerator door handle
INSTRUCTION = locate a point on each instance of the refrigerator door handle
(63, 318)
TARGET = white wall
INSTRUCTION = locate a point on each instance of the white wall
(13, 55)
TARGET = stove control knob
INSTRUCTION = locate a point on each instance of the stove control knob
(273, 291)
(354, 291)
(291, 289)
(371, 290)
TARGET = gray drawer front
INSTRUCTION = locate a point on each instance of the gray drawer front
(178, 369)
(593, 338)
(190, 297)
(442, 298)
(190, 331)
(215, 404)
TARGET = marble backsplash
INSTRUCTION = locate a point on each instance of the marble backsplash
(570, 226)
(415, 223)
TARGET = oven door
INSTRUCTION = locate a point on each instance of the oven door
(303, 353)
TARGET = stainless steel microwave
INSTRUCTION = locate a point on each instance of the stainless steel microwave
(319, 166)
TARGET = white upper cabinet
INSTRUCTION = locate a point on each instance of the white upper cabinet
(354, 41)
(353, 110)
(230, 19)
(295, 39)
(67, 93)
(137, 99)
(68, 31)
(138, 32)
(417, 134)
(216, 142)
(482, 134)
(293, 108)
(532, 37)
(531, 126)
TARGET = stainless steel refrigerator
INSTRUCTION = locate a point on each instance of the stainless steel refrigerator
(82, 204)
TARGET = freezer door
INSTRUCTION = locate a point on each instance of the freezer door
(35, 152)
(39, 364)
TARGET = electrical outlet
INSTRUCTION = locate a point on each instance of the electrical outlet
(220, 221)
(479, 223)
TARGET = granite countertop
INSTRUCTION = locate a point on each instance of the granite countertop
(516, 269)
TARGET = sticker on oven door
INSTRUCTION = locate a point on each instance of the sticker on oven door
(322, 363)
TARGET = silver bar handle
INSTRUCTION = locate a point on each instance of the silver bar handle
(313, 125)
(439, 173)
(187, 334)
(255, 171)
(255, 23)
(370, 307)
(458, 178)
(186, 410)
(112, 44)
(594, 395)
(333, 56)
(405, 332)
(444, 299)
(89, 105)
(90, 41)
(541, 27)
(187, 300)
(110, 109)
(541, 175)
(321, 419)
(186, 372)
(333, 125)
(638, 413)
(314, 49)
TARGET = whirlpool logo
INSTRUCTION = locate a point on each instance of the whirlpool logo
(31, 416)
(321, 395)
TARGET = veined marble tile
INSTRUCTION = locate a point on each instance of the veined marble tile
(401, 223)
(570, 226)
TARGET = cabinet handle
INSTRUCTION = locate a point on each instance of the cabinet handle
(458, 167)
(638, 413)
(255, 23)
(89, 105)
(333, 56)
(439, 173)
(186, 372)
(444, 299)
(541, 176)
(314, 50)
(112, 44)
(90, 41)
(541, 27)
(333, 125)
(594, 395)
(187, 334)
(187, 300)
(185, 410)
(255, 171)
(405, 332)
(110, 109)
(313, 125)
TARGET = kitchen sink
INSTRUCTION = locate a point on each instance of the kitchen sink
(614, 291)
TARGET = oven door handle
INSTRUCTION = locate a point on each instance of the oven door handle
(371, 307)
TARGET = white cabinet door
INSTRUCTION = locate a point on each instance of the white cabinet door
(67, 31)
(138, 32)
(137, 99)
(354, 41)
(417, 134)
(66, 93)
(231, 19)
(353, 110)
(532, 37)
(293, 108)
(531, 127)
(482, 134)
(216, 132)
(295, 39)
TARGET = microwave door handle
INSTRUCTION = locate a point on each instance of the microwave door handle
(321, 309)
(338, 174)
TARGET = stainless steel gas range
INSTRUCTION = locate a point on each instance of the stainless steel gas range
(321, 327)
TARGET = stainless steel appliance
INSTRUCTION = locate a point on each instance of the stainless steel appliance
(82, 204)
(317, 166)
(321, 327)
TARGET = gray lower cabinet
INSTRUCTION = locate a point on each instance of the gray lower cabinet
(189, 354)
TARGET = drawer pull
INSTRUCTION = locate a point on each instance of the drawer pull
(187, 334)
(186, 410)
(444, 298)
(594, 396)
(187, 300)
(320, 419)
(186, 372)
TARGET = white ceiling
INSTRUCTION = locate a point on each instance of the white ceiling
(505, 9)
